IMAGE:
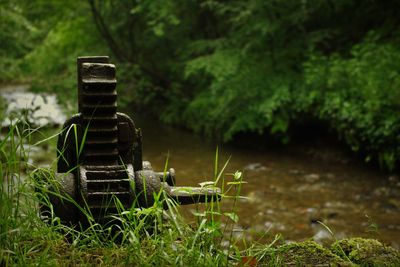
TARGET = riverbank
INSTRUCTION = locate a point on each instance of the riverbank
(285, 193)
(44, 246)
(155, 237)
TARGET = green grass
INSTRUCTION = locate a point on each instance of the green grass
(142, 237)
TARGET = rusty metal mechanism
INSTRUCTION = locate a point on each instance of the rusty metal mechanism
(100, 155)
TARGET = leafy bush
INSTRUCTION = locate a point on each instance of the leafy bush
(359, 96)
(226, 67)
(244, 96)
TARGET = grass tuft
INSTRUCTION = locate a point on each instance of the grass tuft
(135, 236)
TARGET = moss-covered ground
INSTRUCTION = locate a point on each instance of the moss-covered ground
(346, 252)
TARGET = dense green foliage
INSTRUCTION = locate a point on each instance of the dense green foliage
(227, 67)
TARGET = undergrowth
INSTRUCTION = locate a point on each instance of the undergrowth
(151, 236)
(138, 236)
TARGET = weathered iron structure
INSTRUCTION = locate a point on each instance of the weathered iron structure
(100, 155)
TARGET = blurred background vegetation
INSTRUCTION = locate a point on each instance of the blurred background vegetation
(225, 68)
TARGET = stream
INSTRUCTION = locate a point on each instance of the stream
(288, 191)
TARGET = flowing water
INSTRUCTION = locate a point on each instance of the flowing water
(288, 190)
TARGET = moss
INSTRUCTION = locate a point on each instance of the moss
(367, 252)
(346, 252)
(307, 253)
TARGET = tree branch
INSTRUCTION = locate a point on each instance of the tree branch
(105, 33)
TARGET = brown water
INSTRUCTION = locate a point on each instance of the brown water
(287, 190)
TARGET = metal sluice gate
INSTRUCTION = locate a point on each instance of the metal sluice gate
(99, 155)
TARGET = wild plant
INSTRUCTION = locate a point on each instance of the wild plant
(32, 233)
